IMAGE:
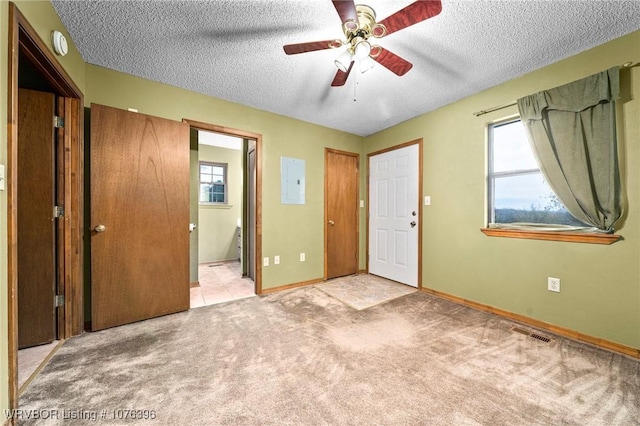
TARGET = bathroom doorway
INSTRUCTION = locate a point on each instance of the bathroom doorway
(223, 217)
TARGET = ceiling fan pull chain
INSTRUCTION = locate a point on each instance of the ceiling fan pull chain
(355, 87)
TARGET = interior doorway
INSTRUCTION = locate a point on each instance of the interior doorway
(218, 207)
(38, 228)
(225, 214)
(45, 243)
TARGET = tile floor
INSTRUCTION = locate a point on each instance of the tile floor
(30, 359)
(220, 282)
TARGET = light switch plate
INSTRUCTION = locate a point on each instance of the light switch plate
(427, 200)
(2, 179)
(265, 261)
(276, 260)
(361, 203)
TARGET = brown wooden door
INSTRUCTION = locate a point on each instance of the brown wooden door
(140, 195)
(341, 213)
(36, 226)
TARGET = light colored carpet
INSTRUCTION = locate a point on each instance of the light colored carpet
(364, 291)
(300, 357)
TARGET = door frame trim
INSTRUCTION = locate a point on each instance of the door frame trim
(420, 180)
(326, 205)
(24, 39)
(258, 138)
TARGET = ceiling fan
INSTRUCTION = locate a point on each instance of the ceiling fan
(359, 25)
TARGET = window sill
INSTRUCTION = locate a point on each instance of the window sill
(571, 237)
(215, 206)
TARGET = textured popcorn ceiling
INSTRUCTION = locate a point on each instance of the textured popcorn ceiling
(232, 49)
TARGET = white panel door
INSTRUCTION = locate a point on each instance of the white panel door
(393, 215)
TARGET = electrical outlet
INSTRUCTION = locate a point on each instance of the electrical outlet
(302, 257)
(276, 260)
(553, 284)
(265, 261)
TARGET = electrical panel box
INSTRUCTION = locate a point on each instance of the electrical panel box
(292, 186)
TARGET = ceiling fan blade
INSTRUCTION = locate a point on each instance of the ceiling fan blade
(341, 77)
(346, 9)
(392, 62)
(416, 12)
(292, 49)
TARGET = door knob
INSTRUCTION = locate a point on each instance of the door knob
(100, 228)
(413, 223)
(331, 223)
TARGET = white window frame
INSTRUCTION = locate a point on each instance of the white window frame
(225, 182)
(493, 176)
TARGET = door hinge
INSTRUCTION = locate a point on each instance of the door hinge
(58, 211)
(58, 122)
(59, 300)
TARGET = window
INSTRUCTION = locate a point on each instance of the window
(518, 192)
(213, 183)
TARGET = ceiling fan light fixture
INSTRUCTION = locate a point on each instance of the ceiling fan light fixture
(359, 25)
(366, 64)
(362, 49)
(344, 61)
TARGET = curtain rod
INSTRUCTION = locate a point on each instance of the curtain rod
(510, 104)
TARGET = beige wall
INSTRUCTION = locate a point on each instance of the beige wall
(217, 238)
(600, 284)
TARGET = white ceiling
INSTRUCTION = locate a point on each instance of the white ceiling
(219, 140)
(232, 49)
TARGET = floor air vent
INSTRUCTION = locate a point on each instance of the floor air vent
(539, 337)
(528, 333)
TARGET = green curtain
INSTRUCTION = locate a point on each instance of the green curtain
(572, 131)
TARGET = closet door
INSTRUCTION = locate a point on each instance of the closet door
(341, 213)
